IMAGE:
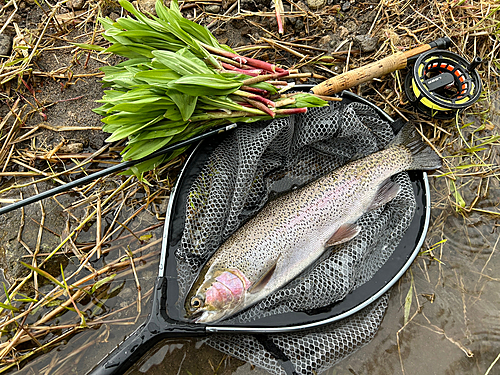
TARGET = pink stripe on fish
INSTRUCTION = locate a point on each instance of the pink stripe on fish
(228, 287)
(218, 295)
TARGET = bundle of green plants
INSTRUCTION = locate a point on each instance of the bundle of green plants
(179, 81)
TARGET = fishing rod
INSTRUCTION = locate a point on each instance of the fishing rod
(331, 86)
(376, 69)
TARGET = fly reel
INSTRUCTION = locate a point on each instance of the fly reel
(442, 83)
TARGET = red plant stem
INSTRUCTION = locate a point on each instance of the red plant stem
(290, 111)
(253, 73)
(264, 77)
(251, 96)
(263, 65)
(232, 62)
(261, 106)
(244, 60)
(277, 7)
(255, 90)
(244, 104)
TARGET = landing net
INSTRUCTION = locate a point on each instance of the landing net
(256, 163)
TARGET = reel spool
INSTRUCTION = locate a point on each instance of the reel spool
(442, 83)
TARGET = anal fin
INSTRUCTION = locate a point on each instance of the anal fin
(385, 193)
(345, 233)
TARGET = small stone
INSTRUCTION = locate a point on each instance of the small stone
(299, 25)
(346, 6)
(366, 43)
(227, 3)
(114, 16)
(212, 9)
(316, 4)
(343, 32)
(5, 45)
(146, 6)
(324, 41)
(75, 4)
(72, 148)
(126, 294)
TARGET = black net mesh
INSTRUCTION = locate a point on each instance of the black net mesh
(260, 161)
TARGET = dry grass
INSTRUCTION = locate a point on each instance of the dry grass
(469, 145)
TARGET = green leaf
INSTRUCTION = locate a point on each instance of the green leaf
(146, 237)
(141, 106)
(163, 38)
(125, 131)
(92, 47)
(458, 197)
(223, 102)
(100, 283)
(265, 86)
(157, 76)
(43, 273)
(198, 32)
(8, 307)
(7, 295)
(131, 50)
(185, 103)
(138, 150)
(138, 170)
(307, 100)
(183, 62)
(160, 130)
(205, 84)
(162, 11)
(127, 23)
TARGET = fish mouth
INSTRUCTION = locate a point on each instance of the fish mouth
(208, 316)
(194, 316)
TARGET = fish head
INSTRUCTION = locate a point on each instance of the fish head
(221, 295)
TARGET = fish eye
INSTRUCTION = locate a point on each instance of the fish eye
(196, 302)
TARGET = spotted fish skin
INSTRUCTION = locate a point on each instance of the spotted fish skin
(291, 232)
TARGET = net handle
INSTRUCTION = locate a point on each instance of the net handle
(375, 69)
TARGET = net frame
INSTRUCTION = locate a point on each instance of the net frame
(365, 111)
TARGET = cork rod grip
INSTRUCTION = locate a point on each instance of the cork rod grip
(362, 74)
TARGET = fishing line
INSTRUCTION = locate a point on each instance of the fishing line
(116, 168)
(441, 83)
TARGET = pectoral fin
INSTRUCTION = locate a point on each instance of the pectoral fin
(345, 233)
(386, 193)
(262, 282)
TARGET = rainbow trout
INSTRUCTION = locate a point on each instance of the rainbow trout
(291, 232)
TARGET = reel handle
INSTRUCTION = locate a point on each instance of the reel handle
(375, 69)
(474, 63)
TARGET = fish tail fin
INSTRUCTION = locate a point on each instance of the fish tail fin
(423, 156)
